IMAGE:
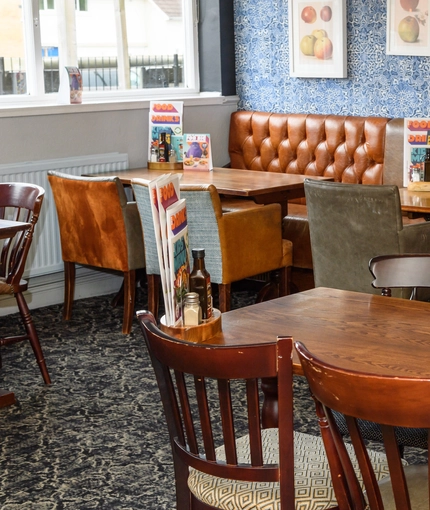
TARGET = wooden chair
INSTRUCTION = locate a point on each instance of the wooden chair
(20, 202)
(406, 271)
(392, 401)
(221, 453)
(238, 244)
(100, 229)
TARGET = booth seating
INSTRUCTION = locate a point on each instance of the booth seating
(359, 150)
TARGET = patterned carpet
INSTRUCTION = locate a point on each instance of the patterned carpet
(96, 438)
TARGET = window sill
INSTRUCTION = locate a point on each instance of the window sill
(110, 104)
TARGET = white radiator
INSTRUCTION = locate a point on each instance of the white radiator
(45, 252)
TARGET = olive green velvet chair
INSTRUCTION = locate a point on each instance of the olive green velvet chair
(350, 224)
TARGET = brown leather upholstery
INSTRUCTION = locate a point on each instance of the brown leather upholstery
(98, 228)
(347, 148)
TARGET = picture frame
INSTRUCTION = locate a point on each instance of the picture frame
(309, 22)
(408, 27)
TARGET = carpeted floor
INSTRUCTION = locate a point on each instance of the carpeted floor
(95, 438)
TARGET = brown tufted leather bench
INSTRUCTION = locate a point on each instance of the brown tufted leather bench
(367, 150)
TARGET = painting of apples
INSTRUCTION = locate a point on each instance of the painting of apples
(408, 27)
(317, 34)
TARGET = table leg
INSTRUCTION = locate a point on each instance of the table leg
(7, 398)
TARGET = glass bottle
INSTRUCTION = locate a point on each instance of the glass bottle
(162, 149)
(192, 309)
(200, 282)
(427, 166)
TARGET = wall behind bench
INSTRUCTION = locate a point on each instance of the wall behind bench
(377, 84)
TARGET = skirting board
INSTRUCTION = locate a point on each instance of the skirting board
(48, 289)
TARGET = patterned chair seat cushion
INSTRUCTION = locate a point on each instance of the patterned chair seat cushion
(313, 485)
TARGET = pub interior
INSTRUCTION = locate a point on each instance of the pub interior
(134, 453)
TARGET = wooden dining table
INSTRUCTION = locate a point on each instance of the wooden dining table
(9, 229)
(365, 332)
(415, 202)
(262, 187)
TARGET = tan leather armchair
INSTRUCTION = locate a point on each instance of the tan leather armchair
(238, 244)
(98, 228)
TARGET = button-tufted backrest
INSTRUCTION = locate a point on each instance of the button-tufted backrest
(348, 148)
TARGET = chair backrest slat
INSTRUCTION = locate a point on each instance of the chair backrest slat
(227, 420)
(254, 420)
(203, 405)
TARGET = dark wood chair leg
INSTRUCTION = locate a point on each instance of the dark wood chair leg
(153, 293)
(285, 278)
(224, 297)
(129, 296)
(278, 286)
(32, 336)
(69, 289)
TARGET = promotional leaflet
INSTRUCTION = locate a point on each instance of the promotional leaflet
(197, 152)
(70, 91)
(164, 117)
(179, 259)
(416, 141)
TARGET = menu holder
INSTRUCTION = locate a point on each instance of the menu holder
(163, 166)
(419, 186)
(204, 331)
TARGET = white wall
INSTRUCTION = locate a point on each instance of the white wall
(122, 127)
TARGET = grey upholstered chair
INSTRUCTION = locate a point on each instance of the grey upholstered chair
(238, 244)
(350, 224)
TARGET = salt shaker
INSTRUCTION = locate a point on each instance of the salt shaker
(192, 309)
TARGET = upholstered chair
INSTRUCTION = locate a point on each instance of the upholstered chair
(100, 229)
(238, 244)
(352, 223)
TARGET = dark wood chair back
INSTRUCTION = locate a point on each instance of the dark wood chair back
(390, 401)
(20, 202)
(198, 385)
(400, 271)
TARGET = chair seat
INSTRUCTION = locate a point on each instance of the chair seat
(7, 288)
(311, 471)
(230, 204)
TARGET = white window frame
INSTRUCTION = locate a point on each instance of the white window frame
(34, 64)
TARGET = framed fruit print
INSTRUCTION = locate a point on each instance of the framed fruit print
(408, 27)
(317, 35)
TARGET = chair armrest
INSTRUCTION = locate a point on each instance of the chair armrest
(254, 236)
(415, 238)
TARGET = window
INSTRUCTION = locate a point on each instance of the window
(81, 5)
(46, 4)
(150, 44)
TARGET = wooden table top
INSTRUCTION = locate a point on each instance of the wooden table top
(10, 228)
(415, 201)
(358, 331)
(229, 181)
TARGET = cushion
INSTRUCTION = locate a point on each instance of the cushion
(312, 477)
(5, 288)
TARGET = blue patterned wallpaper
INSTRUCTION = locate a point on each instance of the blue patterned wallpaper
(377, 84)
